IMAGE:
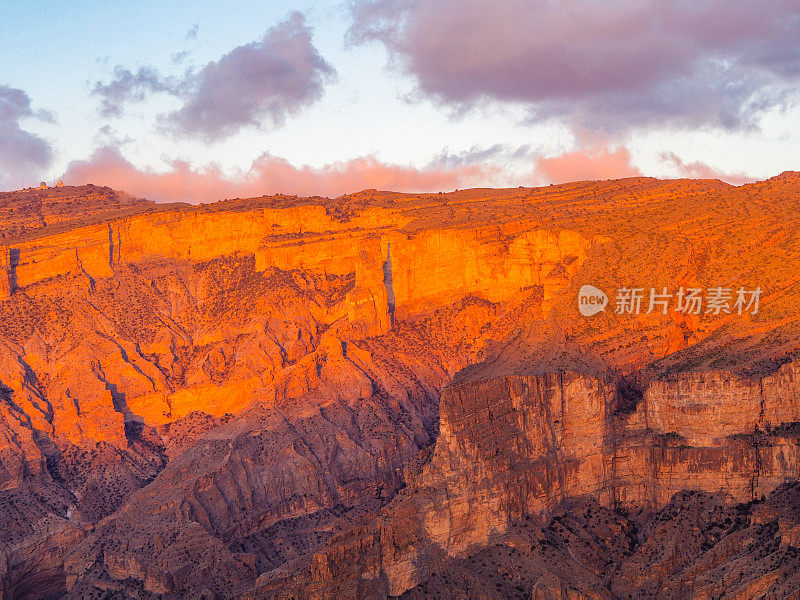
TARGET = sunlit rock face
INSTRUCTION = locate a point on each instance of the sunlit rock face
(331, 397)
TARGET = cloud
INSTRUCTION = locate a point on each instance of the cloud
(23, 155)
(127, 86)
(614, 64)
(267, 175)
(594, 158)
(477, 155)
(108, 136)
(256, 83)
(178, 57)
(700, 170)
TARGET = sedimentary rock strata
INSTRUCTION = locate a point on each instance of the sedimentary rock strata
(341, 397)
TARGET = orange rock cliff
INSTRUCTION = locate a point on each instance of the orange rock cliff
(350, 397)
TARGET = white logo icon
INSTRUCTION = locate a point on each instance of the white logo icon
(591, 300)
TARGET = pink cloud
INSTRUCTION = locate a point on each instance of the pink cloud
(700, 170)
(184, 182)
(594, 159)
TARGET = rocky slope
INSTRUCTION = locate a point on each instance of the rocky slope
(34, 210)
(221, 400)
(699, 546)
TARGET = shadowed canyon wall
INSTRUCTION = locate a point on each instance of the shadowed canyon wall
(517, 446)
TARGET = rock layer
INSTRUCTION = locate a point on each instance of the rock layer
(212, 401)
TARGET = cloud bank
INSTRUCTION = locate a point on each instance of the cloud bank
(700, 170)
(267, 175)
(594, 157)
(612, 64)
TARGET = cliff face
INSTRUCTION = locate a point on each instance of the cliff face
(522, 446)
(429, 267)
(196, 399)
(697, 546)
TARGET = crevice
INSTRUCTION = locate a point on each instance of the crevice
(118, 399)
(554, 446)
(119, 246)
(85, 272)
(610, 445)
(110, 246)
(13, 263)
(756, 442)
(31, 381)
(388, 282)
(629, 393)
(756, 446)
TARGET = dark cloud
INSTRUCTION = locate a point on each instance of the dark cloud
(481, 155)
(23, 155)
(254, 84)
(192, 33)
(475, 155)
(178, 57)
(610, 64)
(108, 136)
(127, 86)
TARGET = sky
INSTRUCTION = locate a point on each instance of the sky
(197, 101)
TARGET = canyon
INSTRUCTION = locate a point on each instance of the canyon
(395, 395)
